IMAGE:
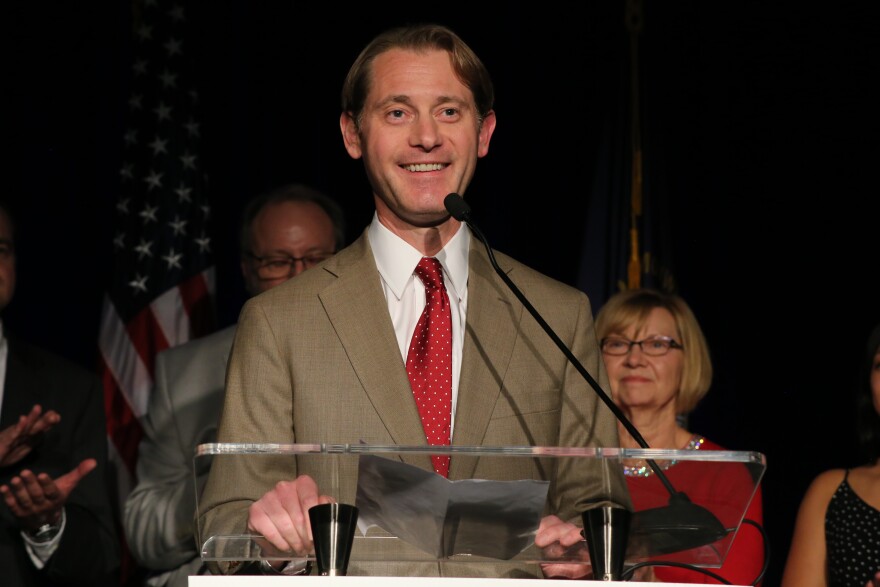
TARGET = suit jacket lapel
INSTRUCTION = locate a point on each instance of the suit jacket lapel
(490, 334)
(18, 393)
(356, 307)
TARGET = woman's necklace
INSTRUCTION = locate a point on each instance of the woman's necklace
(642, 469)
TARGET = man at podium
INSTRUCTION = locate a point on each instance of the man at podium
(408, 336)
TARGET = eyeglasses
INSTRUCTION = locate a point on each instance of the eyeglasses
(655, 346)
(279, 267)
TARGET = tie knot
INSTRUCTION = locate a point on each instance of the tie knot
(430, 272)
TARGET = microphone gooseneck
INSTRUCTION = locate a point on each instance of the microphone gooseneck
(460, 210)
(699, 525)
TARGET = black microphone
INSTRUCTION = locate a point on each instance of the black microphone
(682, 524)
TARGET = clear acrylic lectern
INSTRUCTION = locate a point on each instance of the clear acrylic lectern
(686, 505)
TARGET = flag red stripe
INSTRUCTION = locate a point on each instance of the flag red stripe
(123, 427)
(198, 303)
(193, 290)
(147, 337)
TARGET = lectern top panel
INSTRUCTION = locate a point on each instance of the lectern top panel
(243, 448)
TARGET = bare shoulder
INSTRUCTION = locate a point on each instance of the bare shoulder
(805, 564)
(824, 485)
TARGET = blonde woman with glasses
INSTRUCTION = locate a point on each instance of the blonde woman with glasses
(659, 368)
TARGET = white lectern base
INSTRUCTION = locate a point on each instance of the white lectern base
(315, 581)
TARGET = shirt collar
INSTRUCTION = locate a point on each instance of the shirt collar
(396, 259)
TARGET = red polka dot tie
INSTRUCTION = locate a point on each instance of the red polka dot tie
(429, 361)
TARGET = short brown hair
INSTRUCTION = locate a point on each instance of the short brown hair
(468, 67)
(292, 192)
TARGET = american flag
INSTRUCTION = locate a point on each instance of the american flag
(162, 288)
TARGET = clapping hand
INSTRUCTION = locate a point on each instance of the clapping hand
(875, 582)
(38, 499)
(16, 441)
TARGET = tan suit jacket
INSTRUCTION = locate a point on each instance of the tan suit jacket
(315, 360)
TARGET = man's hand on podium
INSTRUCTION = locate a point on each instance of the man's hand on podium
(281, 515)
(556, 537)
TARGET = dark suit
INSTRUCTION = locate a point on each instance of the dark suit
(88, 553)
(315, 360)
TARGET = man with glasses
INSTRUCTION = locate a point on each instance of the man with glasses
(283, 233)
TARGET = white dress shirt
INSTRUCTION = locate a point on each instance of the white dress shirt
(405, 293)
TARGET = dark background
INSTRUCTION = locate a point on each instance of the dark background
(759, 126)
